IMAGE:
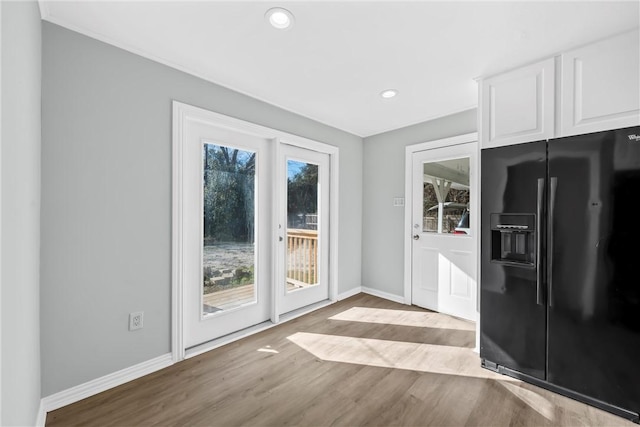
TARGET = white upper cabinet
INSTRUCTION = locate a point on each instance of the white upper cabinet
(601, 86)
(518, 106)
(589, 89)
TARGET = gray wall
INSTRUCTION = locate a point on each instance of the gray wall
(20, 347)
(106, 200)
(384, 156)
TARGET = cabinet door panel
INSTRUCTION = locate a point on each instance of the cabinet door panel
(600, 85)
(518, 106)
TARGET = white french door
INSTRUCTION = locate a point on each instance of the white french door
(227, 265)
(303, 273)
(443, 251)
(251, 217)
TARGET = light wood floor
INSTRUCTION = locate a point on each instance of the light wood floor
(362, 361)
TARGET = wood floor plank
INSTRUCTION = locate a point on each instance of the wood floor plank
(341, 365)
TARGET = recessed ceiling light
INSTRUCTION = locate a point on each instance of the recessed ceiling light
(389, 93)
(279, 18)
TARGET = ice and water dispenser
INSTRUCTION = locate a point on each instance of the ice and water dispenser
(513, 239)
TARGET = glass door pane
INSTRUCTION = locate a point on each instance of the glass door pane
(302, 225)
(228, 237)
(446, 197)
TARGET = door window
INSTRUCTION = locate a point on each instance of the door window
(228, 252)
(302, 225)
(446, 197)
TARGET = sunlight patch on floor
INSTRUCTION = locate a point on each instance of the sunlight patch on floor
(404, 318)
(539, 403)
(437, 359)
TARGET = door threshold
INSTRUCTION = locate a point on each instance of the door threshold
(235, 336)
(304, 310)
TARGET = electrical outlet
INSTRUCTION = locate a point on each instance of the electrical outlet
(135, 320)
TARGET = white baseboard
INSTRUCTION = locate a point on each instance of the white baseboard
(382, 294)
(41, 418)
(93, 387)
(350, 293)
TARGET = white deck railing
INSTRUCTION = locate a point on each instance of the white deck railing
(302, 256)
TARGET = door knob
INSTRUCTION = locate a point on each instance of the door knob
(416, 236)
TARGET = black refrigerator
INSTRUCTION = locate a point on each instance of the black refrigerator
(560, 266)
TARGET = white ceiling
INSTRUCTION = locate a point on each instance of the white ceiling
(332, 65)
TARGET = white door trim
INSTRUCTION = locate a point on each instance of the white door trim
(408, 174)
(183, 113)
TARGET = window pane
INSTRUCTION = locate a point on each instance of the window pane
(446, 197)
(228, 264)
(302, 225)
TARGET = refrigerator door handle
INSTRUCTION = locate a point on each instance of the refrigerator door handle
(553, 185)
(539, 204)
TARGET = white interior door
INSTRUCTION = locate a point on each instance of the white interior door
(443, 264)
(303, 227)
(226, 217)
